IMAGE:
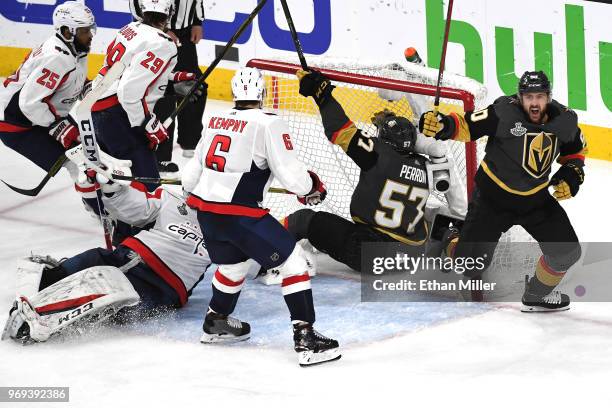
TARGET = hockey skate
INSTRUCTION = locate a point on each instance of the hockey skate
(555, 301)
(220, 328)
(312, 347)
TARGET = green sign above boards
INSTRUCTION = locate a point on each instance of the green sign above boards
(544, 46)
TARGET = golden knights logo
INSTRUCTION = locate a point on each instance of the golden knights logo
(539, 153)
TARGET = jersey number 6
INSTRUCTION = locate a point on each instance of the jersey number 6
(213, 161)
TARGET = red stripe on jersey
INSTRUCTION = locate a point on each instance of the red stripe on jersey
(105, 103)
(337, 132)
(136, 185)
(10, 128)
(47, 100)
(565, 159)
(225, 208)
(227, 281)
(295, 279)
(158, 266)
(67, 304)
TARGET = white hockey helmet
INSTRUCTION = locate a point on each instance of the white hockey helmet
(248, 84)
(73, 15)
(158, 6)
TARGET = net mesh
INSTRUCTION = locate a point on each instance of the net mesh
(363, 90)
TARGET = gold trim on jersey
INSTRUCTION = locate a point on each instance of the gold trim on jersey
(344, 135)
(539, 151)
(462, 130)
(397, 237)
(503, 185)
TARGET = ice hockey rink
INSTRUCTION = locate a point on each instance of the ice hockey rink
(412, 354)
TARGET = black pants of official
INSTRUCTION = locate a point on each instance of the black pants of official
(190, 118)
(545, 220)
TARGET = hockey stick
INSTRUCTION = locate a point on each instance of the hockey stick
(81, 113)
(443, 56)
(175, 182)
(294, 36)
(52, 172)
(214, 64)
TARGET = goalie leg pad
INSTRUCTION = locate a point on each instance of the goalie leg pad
(89, 296)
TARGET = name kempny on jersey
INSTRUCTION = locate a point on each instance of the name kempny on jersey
(413, 174)
(226, 123)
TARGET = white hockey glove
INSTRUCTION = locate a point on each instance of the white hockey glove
(317, 194)
(155, 131)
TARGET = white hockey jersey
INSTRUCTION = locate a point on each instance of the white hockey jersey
(150, 57)
(174, 247)
(44, 87)
(239, 154)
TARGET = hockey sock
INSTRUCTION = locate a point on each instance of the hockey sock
(545, 279)
(298, 296)
(225, 293)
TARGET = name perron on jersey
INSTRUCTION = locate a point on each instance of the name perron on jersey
(150, 57)
(239, 155)
(44, 87)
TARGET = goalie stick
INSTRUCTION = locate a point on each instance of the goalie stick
(214, 64)
(81, 114)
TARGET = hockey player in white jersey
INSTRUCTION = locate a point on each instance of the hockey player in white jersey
(240, 153)
(36, 99)
(125, 124)
(153, 271)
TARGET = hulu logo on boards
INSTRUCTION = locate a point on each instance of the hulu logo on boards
(465, 34)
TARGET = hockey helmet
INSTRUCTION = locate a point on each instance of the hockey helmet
(248, 84)
(157, 6)
(73, 15)
(534, 81)
(396, 131)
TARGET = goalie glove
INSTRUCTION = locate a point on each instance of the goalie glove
(155, 131)
(317, 194)
(65, 132)
(315, 84)
(439, 126)
(567, 180)
(183, 81)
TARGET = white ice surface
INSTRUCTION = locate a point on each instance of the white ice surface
(408, 354)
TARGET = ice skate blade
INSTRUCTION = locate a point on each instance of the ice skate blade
(310, 358)
(216, 339)
(540, 309)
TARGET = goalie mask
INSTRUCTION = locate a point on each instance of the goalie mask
(396, 131)
(248, 84)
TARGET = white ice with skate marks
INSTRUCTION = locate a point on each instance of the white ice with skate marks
(424, 354)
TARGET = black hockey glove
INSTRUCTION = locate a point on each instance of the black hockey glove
(182, 83)
(441, 127)
(567, 180)
(315, 84)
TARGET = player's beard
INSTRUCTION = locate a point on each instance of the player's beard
(536, 113)
(82, 48)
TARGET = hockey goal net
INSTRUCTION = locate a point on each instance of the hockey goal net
(362, 90)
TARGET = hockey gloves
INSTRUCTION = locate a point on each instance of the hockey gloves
(183, 81)
(315, 84)
(441, 127)
(155, 131)
(317, 193)
(65, 132)
(567, 180)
